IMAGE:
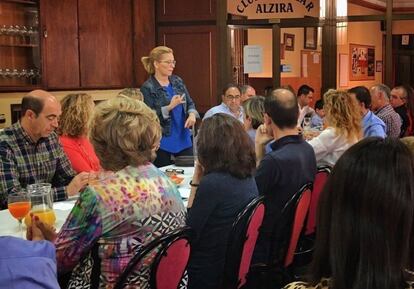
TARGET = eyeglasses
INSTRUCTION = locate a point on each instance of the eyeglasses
(169, 62)
(397, 97)
(169, 172)
(233, 97)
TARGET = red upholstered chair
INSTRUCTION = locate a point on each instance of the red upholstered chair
(169, 264)
(241, 244)
(320, 180)
(301, 211)
(277, 272)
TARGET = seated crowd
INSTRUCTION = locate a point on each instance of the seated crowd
(248, 146)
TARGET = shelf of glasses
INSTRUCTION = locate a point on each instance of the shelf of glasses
(19, 45)
(29, 2)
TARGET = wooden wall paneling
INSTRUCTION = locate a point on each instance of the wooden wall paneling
(186, 10)
(144, 36)
(60, 47)
(195, 51)
(105, 35)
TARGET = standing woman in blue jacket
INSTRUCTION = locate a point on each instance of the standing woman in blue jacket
(168, 96)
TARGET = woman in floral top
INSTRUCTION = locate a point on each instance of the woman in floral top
(129, 207)
(365, 220)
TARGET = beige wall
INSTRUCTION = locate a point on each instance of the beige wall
(403, 27)
(364, 33)
(263, 37)
(15, 98)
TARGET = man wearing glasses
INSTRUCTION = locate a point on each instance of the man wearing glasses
(30, 151)
(398, 102)
(231, 103)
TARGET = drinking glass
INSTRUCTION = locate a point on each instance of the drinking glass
(19, 206)
(42, 203)
(306, 122)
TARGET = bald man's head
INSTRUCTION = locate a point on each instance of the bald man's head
(35, 101)
(282, 107)
(40, 113)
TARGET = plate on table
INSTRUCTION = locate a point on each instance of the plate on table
(176, 179)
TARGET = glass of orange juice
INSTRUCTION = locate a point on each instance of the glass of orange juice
(19, 206)
(42, 203)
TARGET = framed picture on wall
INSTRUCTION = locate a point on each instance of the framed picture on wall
(310, 37)
(361, 62)
(289, 41)
(378, 66)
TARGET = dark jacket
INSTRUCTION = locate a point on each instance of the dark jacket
(156, 97)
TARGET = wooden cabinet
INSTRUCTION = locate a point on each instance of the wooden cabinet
(87, 43)
(105, 43)
(19, 44)
(60, 44)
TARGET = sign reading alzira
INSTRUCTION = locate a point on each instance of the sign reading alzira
(282, 8)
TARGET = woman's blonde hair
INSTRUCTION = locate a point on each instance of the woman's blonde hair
(134, 93)
(155, 55)
(254, 108)
(342, 113)
(124, 132)
(76, 112)
(409, 142)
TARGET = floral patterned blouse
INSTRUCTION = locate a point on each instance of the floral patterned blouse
(121, 213)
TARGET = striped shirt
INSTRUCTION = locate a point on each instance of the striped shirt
(24, 162)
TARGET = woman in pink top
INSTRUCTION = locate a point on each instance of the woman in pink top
(73, 126)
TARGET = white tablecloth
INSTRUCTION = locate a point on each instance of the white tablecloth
(10, 227)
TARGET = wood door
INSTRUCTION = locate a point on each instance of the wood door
(59, 20)
(195, 51)
(186, 10)
(105, 43)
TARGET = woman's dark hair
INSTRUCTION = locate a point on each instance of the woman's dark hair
(365, 218)
(223, 145)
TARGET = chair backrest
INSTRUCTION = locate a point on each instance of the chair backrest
(170, 261)
(301, 211)
(284, 228)
(320, 180)
(241, 244)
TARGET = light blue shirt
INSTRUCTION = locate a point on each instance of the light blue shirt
(27, 264)
(316, 121)
(223, 108)
(373, 125)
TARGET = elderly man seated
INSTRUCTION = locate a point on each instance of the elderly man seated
(30, 151)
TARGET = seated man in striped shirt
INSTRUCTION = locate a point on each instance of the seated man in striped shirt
(30, 151)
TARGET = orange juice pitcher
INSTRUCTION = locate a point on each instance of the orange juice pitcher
(42, 203)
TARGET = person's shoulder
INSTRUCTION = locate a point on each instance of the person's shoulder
(175, 77)
(148, 84)
(8, 136)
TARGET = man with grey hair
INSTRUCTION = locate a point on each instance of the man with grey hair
(283, 171)
(398, 101)
(247, 91)
(380, 105)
